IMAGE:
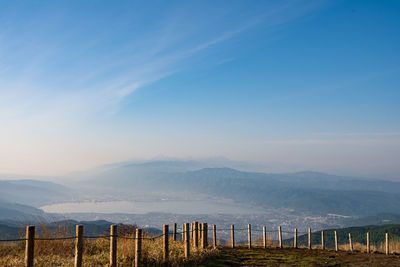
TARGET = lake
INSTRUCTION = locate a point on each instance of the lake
(141, 207)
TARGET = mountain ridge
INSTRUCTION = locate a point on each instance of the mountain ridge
(303, 192)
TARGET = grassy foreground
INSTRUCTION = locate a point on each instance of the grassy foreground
(96, 253)
(298, 257)
(61, 253)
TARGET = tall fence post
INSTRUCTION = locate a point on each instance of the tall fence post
(138, 247)
(204, 239)
(295, 238)
(214, 235)
(322, 240)
(249, 235)
(309, 238)
(79, 246)
(368, 244)
(29, 245)
(265, 236)
(387, 243)
(196, 234)
(280, 236)
(192, 230)
(174, 232)
(165, 242)
(201, 233)
(233, 235)
(187, 240)
(113, 245)
(350, 243)
(336, 242)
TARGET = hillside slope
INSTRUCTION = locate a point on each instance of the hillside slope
(19, 212)
(32, 192)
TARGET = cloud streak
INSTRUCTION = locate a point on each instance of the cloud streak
(130, 68)
(55, 83)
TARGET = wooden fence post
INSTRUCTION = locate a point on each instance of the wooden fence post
(165, 242)
(204, 239)
(214, 235)
(29, 245)
(192, 230)
(350, 243)
(265, 236)
(295, 238)
(201, 233)
(280, 236)
(196, 234)
(322, 240)
(368, 244)
(233, 235)
(138, 247)
(387, 243)
(187, 240)
(174, 232)
(183, 232)
(249, 235)
(79, 246)
(113, 245)
(336, 242)
(309, 239)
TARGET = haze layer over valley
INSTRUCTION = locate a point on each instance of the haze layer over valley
(149, 192)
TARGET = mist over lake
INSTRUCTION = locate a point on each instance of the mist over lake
(141, 207)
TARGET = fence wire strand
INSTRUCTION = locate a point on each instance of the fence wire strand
(191, 231)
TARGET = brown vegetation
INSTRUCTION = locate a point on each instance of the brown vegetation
(97, 251)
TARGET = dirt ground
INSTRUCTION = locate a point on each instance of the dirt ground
(299, 257)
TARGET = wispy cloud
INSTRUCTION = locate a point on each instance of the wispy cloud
(56, 78)
(117, 74)
(335, 141)
(360, 134)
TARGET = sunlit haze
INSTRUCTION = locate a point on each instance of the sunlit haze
(294, 85)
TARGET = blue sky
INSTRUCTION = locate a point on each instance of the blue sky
(296, 84)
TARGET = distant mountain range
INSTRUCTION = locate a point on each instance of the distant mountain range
(312, 192)
(302, 192)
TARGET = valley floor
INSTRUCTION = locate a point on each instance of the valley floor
(298, 257)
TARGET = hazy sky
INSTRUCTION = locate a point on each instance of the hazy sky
(308, 85)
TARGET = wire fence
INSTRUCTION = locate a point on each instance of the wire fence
(197, 235)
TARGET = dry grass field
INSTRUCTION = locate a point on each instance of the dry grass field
(97, 253)
(275, 257)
